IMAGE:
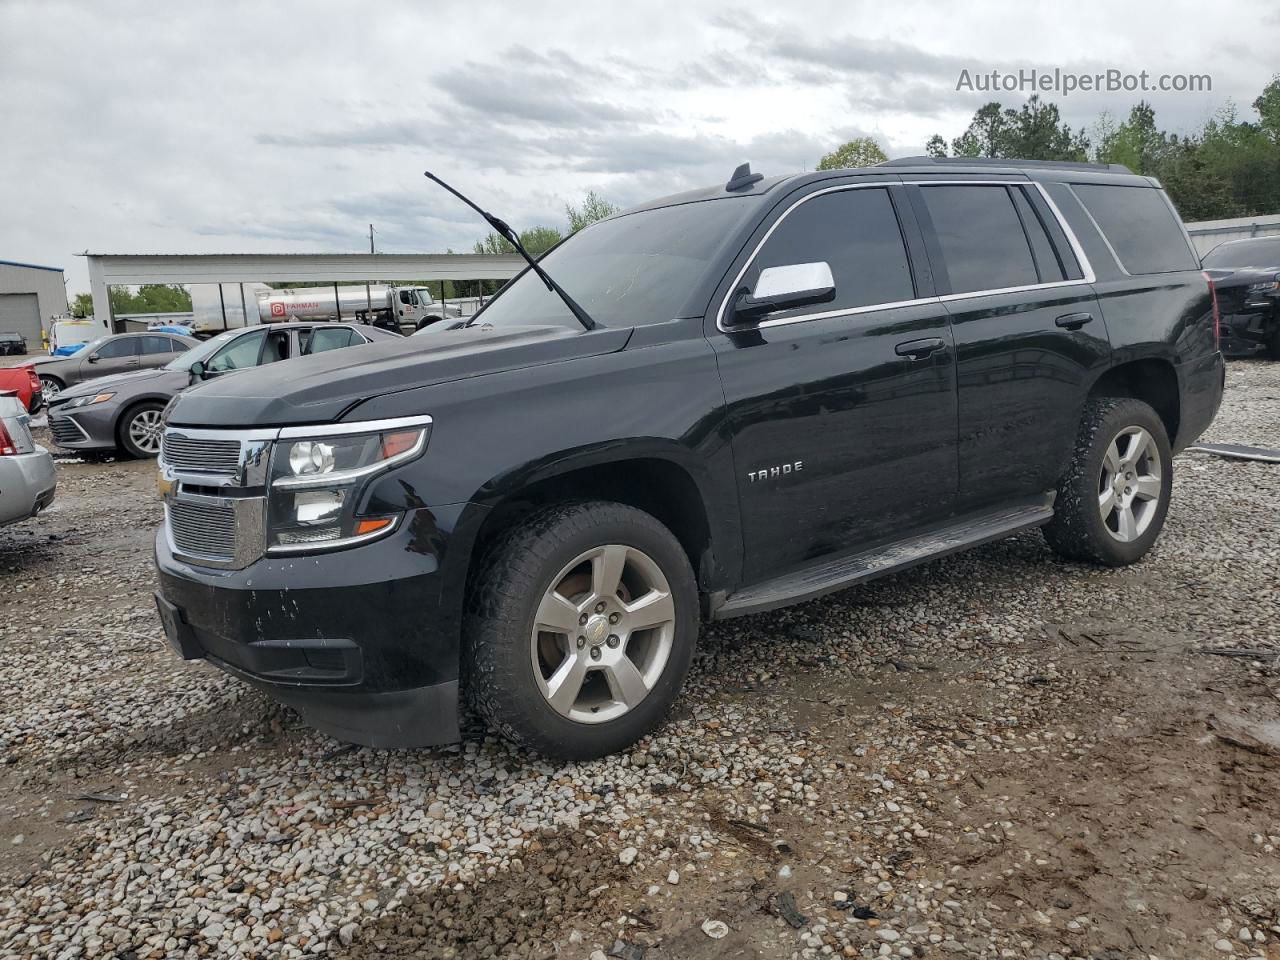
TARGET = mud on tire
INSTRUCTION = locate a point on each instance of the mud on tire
(1078, 530)
(500, 657)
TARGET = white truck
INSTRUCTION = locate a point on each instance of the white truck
(391, 307)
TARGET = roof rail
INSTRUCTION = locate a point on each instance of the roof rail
(1004, 162)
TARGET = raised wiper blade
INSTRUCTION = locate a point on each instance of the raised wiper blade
(504, 230)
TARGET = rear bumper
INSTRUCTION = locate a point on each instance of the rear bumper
(1201, 382)
(27, 485)
(364, 643)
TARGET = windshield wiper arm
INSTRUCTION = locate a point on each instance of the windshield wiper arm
(505, 231)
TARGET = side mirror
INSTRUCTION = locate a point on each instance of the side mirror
(93, 358)
(782, 288)
(198, 371)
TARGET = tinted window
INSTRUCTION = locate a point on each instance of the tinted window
(1140, 226)
(856, 232)
(114, 349)
(983, 244)
(328, 338)
(154, 344)
(638, 268)
(1245, 253)
(240, 353)
(1047, 264)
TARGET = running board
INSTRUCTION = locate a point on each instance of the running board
(831, 575)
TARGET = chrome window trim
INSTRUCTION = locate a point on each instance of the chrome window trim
(359, 426)
(1097, 226)
(1085, 266)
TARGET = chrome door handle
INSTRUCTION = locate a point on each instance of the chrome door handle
(1073, 321)
(918, 349)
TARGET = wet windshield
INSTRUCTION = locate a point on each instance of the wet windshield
(637, 269)
(1246, 253)
(183, 361)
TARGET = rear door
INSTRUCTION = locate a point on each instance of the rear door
(1029, 336)
(156, 350)
(842, 414)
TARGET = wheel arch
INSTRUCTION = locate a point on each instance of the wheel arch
(1151, 380)
(658, 484)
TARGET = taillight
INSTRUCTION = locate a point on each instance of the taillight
(7, 447)
(1217, 314)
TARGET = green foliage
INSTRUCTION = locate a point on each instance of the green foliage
(594, 207)
(1033, 132)
(1228, 168)
(859, 152)
(149, 298)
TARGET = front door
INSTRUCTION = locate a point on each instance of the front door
(842, 414)
(114, 356)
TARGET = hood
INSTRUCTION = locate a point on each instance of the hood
(40, 361)
(1241, 276)
(121, 381)
(320, 388)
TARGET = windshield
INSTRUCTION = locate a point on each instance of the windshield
(637, 269)
(183, 361)
(1245, 253)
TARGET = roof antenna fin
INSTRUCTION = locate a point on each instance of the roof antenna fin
(743, 178)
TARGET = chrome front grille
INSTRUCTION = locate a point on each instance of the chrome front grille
(200, 454)
(65, 430)
(206, 530)
(215, 484)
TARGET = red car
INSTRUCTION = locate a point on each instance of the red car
(24, 382)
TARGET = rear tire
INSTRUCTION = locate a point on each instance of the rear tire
(1273, 344)
(1113, 500)
(50, 386)
(140, 430)
(560, 653)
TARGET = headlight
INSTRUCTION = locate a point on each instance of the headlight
(1265, 285)
(315, 482)
(87, 401)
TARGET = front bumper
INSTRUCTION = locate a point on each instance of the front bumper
(363, 642)
(27, 485)
(86, 428)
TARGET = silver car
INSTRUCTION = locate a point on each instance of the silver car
(123, 413)
(105, 356)
(27, 481)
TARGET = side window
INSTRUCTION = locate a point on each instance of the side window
(856, 232)
(152, 343)
(277, 347)
(1140, 226)
(240, 353)
(983, 244)
(407, 297)
(117, 349)
(1048, 265)
(328, 338)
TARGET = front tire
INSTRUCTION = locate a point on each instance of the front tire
(141, 430)
(1112, 503)
(581, 627)
(1273, 343)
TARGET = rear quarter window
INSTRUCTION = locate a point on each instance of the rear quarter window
(1140, 225)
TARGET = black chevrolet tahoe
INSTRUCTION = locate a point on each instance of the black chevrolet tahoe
(786, 386)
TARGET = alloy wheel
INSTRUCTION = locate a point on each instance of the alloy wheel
(146, 429)
(1129, 484)
(603, 634)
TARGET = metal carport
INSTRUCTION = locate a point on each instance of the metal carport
(116, 269)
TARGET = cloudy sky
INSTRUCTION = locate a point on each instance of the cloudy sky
(180, 127)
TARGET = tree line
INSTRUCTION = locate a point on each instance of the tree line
(1228, 167)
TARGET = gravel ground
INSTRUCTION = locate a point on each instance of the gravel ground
(994, 755)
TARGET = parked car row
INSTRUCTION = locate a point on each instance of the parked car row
(122, 412)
